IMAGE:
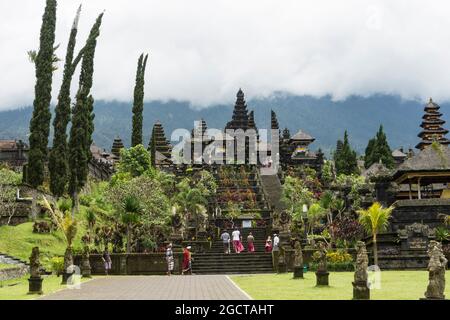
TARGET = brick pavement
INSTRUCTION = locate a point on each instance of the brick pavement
(197, 287)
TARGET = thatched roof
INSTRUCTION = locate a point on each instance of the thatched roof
(302, 136)
(431, 160)
(375, 170)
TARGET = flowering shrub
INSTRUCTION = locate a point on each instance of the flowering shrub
(346, 229)
(339, 256)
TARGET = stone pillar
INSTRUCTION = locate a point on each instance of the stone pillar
(282, 266)
(322, 278)
(360, 290)
(35, 280)
(123, 258)
(85, 264)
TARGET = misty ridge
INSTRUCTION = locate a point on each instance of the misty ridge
(323, 118)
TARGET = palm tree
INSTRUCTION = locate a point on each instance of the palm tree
(131, 209)
(315, 213)
(375, 220)
(67, 225)
(191, 200)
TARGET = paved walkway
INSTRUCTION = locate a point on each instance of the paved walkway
(197, 287)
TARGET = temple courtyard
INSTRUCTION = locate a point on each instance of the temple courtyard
(395, 285)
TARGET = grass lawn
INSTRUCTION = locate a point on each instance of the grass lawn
(16, 289)
(18, 241)
(395, 285)
(6, 266)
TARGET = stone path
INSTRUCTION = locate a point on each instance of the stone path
(197, 287)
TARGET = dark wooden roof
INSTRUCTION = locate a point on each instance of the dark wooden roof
(429, 160)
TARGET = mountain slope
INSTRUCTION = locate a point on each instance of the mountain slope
(323, 118)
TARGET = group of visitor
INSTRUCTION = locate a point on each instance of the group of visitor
(236, 238)
(187, 260)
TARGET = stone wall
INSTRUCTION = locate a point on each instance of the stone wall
(133, 264)
(13, 272)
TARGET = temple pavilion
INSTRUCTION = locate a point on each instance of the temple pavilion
(427, 173)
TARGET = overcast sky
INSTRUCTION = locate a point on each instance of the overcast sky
(204, 50)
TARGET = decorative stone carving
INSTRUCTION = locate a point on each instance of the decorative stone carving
(35, 280)
(416, 236)
(282, 268)
(85, 264)
(416, 229)
(360, 289)
(68, 263)
(322, 273)
(298, 260)
(436, 272)
(285, 222)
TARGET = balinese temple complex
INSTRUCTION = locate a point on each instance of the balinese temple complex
(417, 186)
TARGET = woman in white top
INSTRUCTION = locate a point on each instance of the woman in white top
(236, 236)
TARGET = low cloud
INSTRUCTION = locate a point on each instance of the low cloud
(202, 51)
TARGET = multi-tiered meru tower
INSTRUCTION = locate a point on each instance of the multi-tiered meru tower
(432, 126)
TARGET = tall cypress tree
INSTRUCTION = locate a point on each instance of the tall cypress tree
(40, 121)
(58, 158)
(345, 158)
(369, 153)
(82, 127)
(138, 105)
(378, 150)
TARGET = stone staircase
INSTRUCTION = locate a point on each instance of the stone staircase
(14, 262)
(216, 262)
(272, 188)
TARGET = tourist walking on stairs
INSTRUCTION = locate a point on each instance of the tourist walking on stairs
(268, 246)
(225, 236)
(276, 242)
(250, 243)
(169, 259)
(237, 244)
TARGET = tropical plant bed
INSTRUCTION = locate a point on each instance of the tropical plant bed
(17, 289)
(395, 285)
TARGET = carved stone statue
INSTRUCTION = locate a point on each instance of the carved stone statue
(298, 260)
(35, 263)
(85, 264)
(285, 222)
(322, 257)
(282, 261)
(322, 273)
(35, 280)
(176, 237)
(68, 263)
(436, 272)
(360, 289)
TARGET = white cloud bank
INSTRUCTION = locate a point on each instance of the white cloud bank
(204, 50)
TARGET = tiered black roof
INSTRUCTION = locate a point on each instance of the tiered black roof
(117, 145)
(162, 145)
(200, 129)
(432, 126)
(240, 115)
(251, 120)
(274, 121)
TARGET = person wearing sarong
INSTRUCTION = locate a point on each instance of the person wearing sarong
(187, 260)
(169, 259)
(107, 261)
(237, 244)
(268, 246)
(250, 243)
